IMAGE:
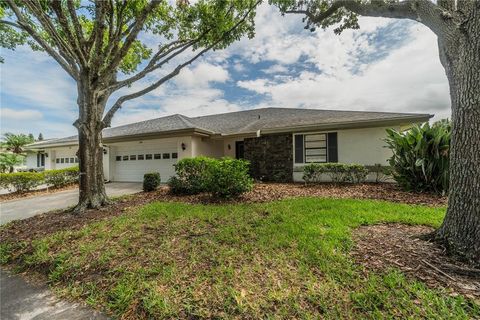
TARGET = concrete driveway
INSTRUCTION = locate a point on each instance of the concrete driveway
(21, 300)
(28, 207)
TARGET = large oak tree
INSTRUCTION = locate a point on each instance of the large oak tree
(457, 27)
(100, 45)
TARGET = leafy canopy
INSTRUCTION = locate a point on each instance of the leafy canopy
(16, 142)
(86, 30)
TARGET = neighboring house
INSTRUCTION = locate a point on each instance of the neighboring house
(277, 141)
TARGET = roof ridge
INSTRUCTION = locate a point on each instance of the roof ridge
(185, 120)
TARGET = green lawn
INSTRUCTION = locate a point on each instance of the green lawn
(285, 259)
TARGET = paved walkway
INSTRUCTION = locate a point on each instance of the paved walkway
(23, 301)
(28, 207)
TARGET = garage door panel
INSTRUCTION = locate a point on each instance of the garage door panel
(133, 170)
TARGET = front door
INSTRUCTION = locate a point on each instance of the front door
(239, 150)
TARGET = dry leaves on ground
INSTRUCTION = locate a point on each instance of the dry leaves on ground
(384, 246)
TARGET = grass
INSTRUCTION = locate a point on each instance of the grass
(285, 259)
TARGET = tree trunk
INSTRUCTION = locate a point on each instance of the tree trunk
(460, 56)
(90, 153)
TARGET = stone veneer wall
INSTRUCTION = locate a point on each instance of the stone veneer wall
(271, 157)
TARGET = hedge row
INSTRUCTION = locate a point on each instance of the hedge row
(337, 172)
(24, 181)
(223, 178)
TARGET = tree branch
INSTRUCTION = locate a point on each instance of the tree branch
(117, 105)
(76, 23)
(10, 23)
(107, 119)
(23, 23)
(155, 62)
(422, 11)
(136, 28)
(74, 36)
(63, 47)
(98, 35)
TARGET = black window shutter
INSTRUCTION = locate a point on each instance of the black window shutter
(299, 148)
(332, 147)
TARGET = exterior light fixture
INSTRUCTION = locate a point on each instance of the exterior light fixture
(229, 146)
(184, 146)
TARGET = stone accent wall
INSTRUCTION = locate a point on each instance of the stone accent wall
(271, 157)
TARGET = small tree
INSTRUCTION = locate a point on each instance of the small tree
(420, 159)
(9, 160)
(15, 143)
(456, 23)
(99, 44)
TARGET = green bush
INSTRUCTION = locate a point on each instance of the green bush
(21, 181)
(312, 173)
(191, 175)
(224, 178)
(229, 178)
(151, 181)
(420, 160)
(337, 172)
(61, 177)
(380, 173)
(357, 173)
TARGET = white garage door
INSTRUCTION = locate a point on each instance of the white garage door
(132, 162)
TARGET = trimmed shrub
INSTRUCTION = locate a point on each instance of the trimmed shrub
(223, 178)
(61, 177)
(357, 173)
(192, 175)
(229, 178)
(380, 173)
(420, 160)
(337, 172)
(151, 181)
(21, 181)
(312, 173)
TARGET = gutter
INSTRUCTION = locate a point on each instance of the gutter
(349, 124)
(133, 137)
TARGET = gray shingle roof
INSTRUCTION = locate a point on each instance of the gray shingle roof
(247, 121)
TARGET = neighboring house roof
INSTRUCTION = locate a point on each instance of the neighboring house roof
(248, 121)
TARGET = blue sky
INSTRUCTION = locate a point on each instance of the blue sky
(387, 65)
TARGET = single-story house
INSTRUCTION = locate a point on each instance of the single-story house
(277, 142)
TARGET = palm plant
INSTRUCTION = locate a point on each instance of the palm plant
(15, 143)
(420, 159)
(9, 160)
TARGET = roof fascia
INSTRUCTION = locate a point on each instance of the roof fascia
(351, 124)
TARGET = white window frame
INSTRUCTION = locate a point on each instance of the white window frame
(304, 156)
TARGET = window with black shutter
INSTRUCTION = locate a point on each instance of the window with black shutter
(332, 147)
(299, 148)
(316, 148)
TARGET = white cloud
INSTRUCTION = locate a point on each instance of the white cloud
(276, 68)
(25, 115)
(32, 78)
(201, 75)
(409, 79)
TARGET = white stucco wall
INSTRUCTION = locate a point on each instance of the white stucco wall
(31, 160)
(363, 146)
(202, 146)
(57, 153)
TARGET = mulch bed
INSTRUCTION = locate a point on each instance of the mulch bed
(264, 192)
(383, 246)
(33, 193)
